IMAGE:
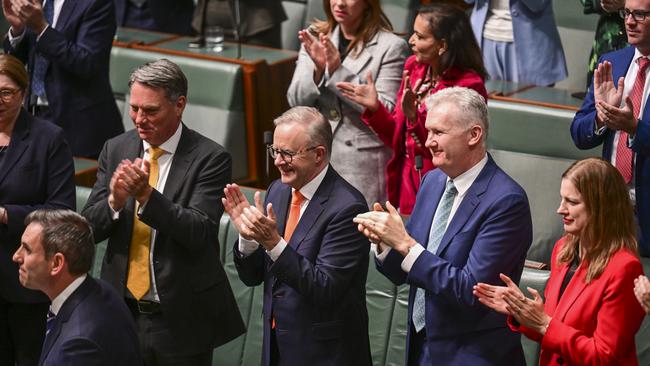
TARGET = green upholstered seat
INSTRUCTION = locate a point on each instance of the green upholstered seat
(82, 194)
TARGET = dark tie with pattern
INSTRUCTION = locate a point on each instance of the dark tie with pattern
(40, 63)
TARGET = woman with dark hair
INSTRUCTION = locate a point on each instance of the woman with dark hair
(591, 314)
(445, 54)
(36, 172)
(356, 40)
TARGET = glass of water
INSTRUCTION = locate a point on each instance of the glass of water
(214, 38)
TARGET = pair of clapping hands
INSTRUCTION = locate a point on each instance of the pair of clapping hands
(607, 98)
(385, 227)
(24, 13)
(130, 179)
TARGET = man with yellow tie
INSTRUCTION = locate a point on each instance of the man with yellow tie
(157, 200)
(305, 248)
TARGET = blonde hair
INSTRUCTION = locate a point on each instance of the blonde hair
(610, 226)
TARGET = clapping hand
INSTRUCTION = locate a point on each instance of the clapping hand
(10, 12)
(605, 90)
(410, 101)
(386, 227)
(363, 94)
(642, 292)
(250, 221)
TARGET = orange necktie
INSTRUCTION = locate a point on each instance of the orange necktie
(138, 280)
(294, 214)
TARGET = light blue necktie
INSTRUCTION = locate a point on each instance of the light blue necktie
(436, 233)
(40, 63)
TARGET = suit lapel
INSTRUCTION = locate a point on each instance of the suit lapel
(430, 193)
(574, 289)
(18, 144)
(554, 284)
(64, 314)
(282, 210)
(131, 150)
(181, 163)
(468, 205)
(64, 16)
(356, 63)
(313, 210)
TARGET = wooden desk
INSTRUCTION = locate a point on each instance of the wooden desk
(85, 172)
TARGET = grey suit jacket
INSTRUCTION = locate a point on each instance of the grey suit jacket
(358, 155)
(195, 295)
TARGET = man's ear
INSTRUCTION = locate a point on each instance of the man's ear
(57, 264)
(476, 135)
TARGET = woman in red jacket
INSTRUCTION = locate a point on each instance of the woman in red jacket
(445, 54)
(591, 314)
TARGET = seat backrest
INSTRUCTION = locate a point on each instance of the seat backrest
(82, 194)
(295, 21)
(214, 102)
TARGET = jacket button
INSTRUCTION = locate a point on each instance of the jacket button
(515, 13)
(560, 360)
(348, 143)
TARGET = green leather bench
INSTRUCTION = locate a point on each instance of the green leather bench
(215, 99)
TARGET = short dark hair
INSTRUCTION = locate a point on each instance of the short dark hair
(161, 74)
(447, 22)
(68, 233)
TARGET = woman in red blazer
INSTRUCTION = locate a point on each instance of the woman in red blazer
(591, 314)
(445, 54)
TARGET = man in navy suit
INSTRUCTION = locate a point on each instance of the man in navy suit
(306, 250)
(88, 323)
(471, 222)
(67, 45)
(612, 116)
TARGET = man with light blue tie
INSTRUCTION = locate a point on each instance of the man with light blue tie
(471, 221)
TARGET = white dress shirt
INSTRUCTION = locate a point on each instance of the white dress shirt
(462, 183)
(247, 247)
(60, 299)
(58, 4)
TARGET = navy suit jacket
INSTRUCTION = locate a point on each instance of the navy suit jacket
(93, 327)
(584, 136)
(316, 288)
(490, 233)
(170, 16)
(195, 296)
(37, 173)
(78, 90)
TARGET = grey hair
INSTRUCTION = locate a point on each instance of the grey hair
(471, 106)
(318, 128)
(161, 74)
(68, 233)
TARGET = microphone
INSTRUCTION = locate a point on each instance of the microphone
(268, 140)
(199, 42)
(237, 23)
(418, 165)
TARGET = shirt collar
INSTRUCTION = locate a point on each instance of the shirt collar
(309, 190)
(638, 55)
(465, 180)
(171, 144)
(60, 299)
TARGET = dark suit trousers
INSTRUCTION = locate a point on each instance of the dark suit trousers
(158, 345)
(22, 330)
(419, 352)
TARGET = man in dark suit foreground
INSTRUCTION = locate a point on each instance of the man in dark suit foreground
(88, 323)
(306, 250)
(471, 222)
(157, 200)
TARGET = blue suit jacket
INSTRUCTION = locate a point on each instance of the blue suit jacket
(37, 173)
(584, 136)
(170, 16)
(489, 234)
(93, 327)
(540, 57)
(316, 288)
(76, 80)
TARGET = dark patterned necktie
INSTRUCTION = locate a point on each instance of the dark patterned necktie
(40, 63)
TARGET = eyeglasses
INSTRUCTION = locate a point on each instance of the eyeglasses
(286, 155)
(7, 94)
(637, 15)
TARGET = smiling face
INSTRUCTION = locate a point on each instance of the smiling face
(10, 105)
(448, 140)
(34, 267)
(348, 13)
(293, 137)
(573, 209)
(638, 32)
(155, 117)
(426, 48)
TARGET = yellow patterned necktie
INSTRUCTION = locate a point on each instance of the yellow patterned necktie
(138, 281)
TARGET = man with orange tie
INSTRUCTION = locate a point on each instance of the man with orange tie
(304, 247)
(157, 200)
(615, 112)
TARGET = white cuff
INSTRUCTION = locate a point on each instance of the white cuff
(277, 250)
(15, 40)
(380, 256)
(247, 247)
(411, 257)
(114, 214)
(40, 35)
